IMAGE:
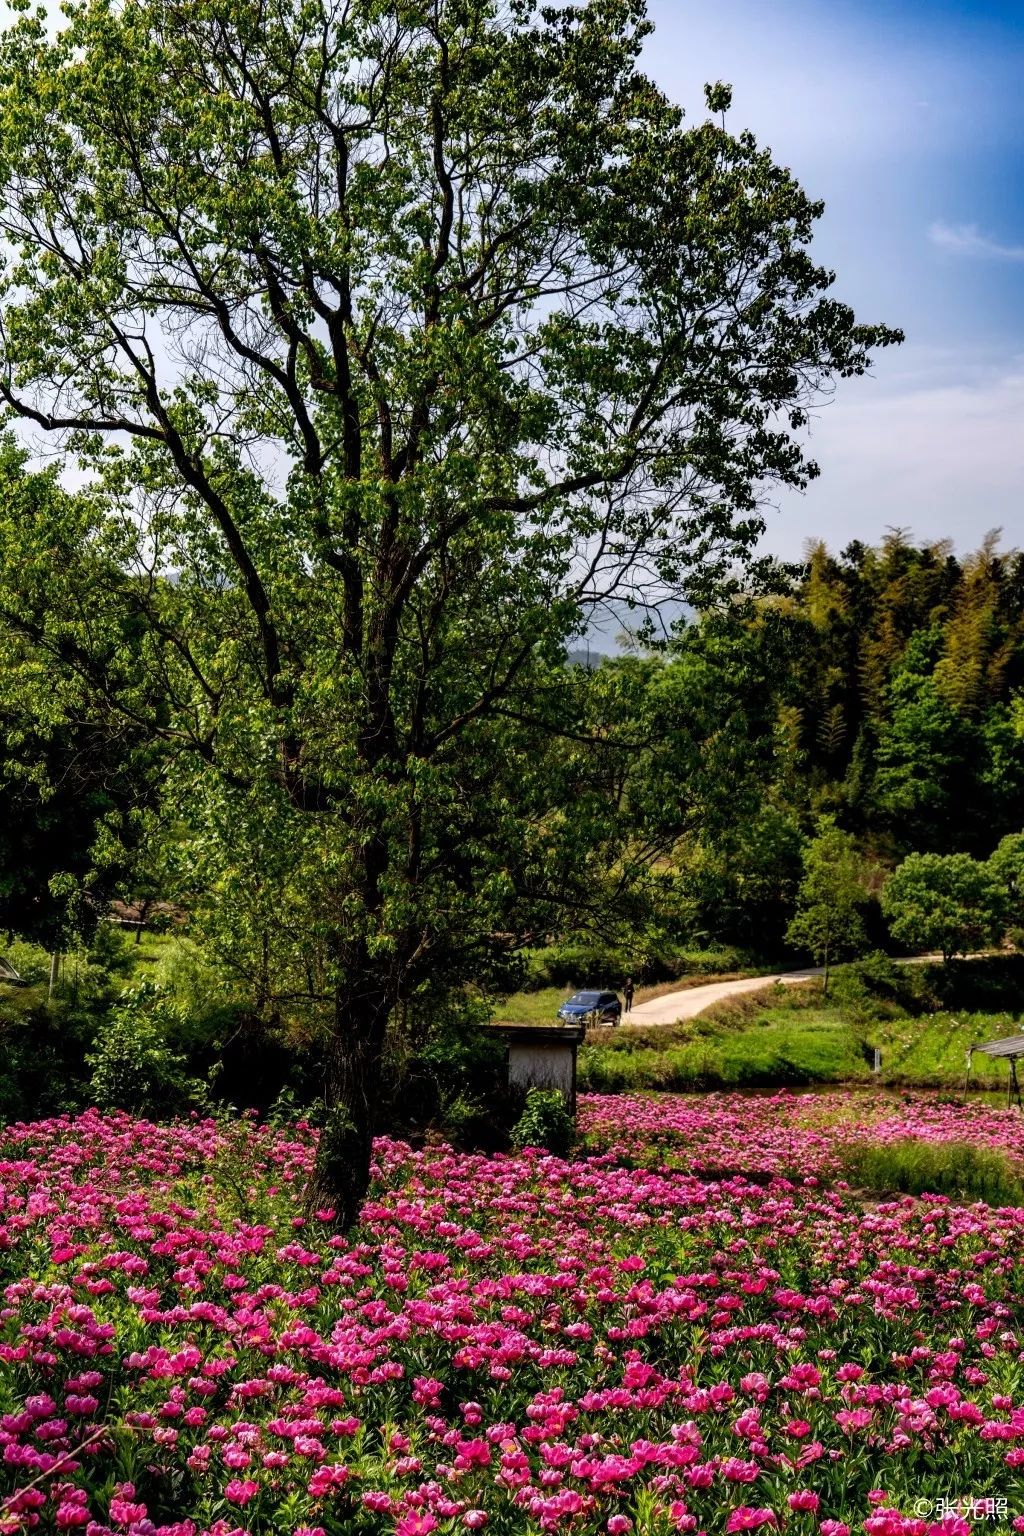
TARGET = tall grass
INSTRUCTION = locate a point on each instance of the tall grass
(914, 1167)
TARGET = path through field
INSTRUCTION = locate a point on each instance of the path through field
(675, 1006)
(687, 1004)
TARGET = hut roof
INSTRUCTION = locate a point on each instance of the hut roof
(1010, 1045)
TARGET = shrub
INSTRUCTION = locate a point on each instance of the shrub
(579, 964)
(876, 988)
(133, 1066)
(447, 1070)
(545, 1122)
(31, 961)
(465, 1121)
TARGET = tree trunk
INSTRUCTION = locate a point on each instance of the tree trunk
(824, 988)
(54, 973)
(352, 1096)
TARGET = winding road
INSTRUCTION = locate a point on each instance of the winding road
(675, 1006)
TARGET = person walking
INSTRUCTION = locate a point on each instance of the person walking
(627, 993)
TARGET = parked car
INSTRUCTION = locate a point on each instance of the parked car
(602, 1007)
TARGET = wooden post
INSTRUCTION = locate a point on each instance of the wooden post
(1013, 1084)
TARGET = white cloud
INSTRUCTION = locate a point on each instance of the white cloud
(968, 240)
(943, 459)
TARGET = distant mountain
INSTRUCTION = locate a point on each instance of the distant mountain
(585, 656)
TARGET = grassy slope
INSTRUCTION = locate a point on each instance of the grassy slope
(796, 1037)
(538, 1007)
(142, 960)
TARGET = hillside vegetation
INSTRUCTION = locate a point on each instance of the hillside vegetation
(922, 1019)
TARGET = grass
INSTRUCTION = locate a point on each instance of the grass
(912, 1167)
(779, 1052)
(142, 960)
(793, 1036)
(538, 1007)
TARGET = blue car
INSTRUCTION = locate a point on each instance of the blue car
(602, 1007)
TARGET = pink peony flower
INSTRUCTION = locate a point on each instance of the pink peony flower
(415, 1525)
(241, 1490)
(747, 1519)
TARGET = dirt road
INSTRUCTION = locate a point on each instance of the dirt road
(687, 1004)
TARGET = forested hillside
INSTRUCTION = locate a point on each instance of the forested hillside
(883, 689)
(783, 754)
(904, 699)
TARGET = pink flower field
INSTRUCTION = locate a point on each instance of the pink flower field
(510, 1344)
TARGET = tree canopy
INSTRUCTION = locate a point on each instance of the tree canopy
(827, 922)
(75, 780)
(945, 902)
(392, 341)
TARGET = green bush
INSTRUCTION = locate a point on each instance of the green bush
(206, 1010)
(580, 964)
(133, 1066)
(545, 1122)
(875, 987)
(465, 1121)
(31, 961)
(42, 1058)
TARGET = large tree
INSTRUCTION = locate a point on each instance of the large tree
(392, 339)
(949, 902)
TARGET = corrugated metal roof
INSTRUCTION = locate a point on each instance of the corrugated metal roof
(1013, 1045)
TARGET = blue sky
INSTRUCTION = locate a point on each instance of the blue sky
(907, 117)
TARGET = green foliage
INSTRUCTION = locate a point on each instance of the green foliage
(545, 1122)
(875, 987)
(206, 1009)
(827, 923)
(778, 1048)
(446, 1069)
(922, 1018)
(923, 757)
(905, 665)
(745, 880)
(950, 903)
(31, 961)
(1007, 865)
(72, 779)
(959, 1169)
(442, 350)
(133, 1065)
(42, 1056)
(44, 1038)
